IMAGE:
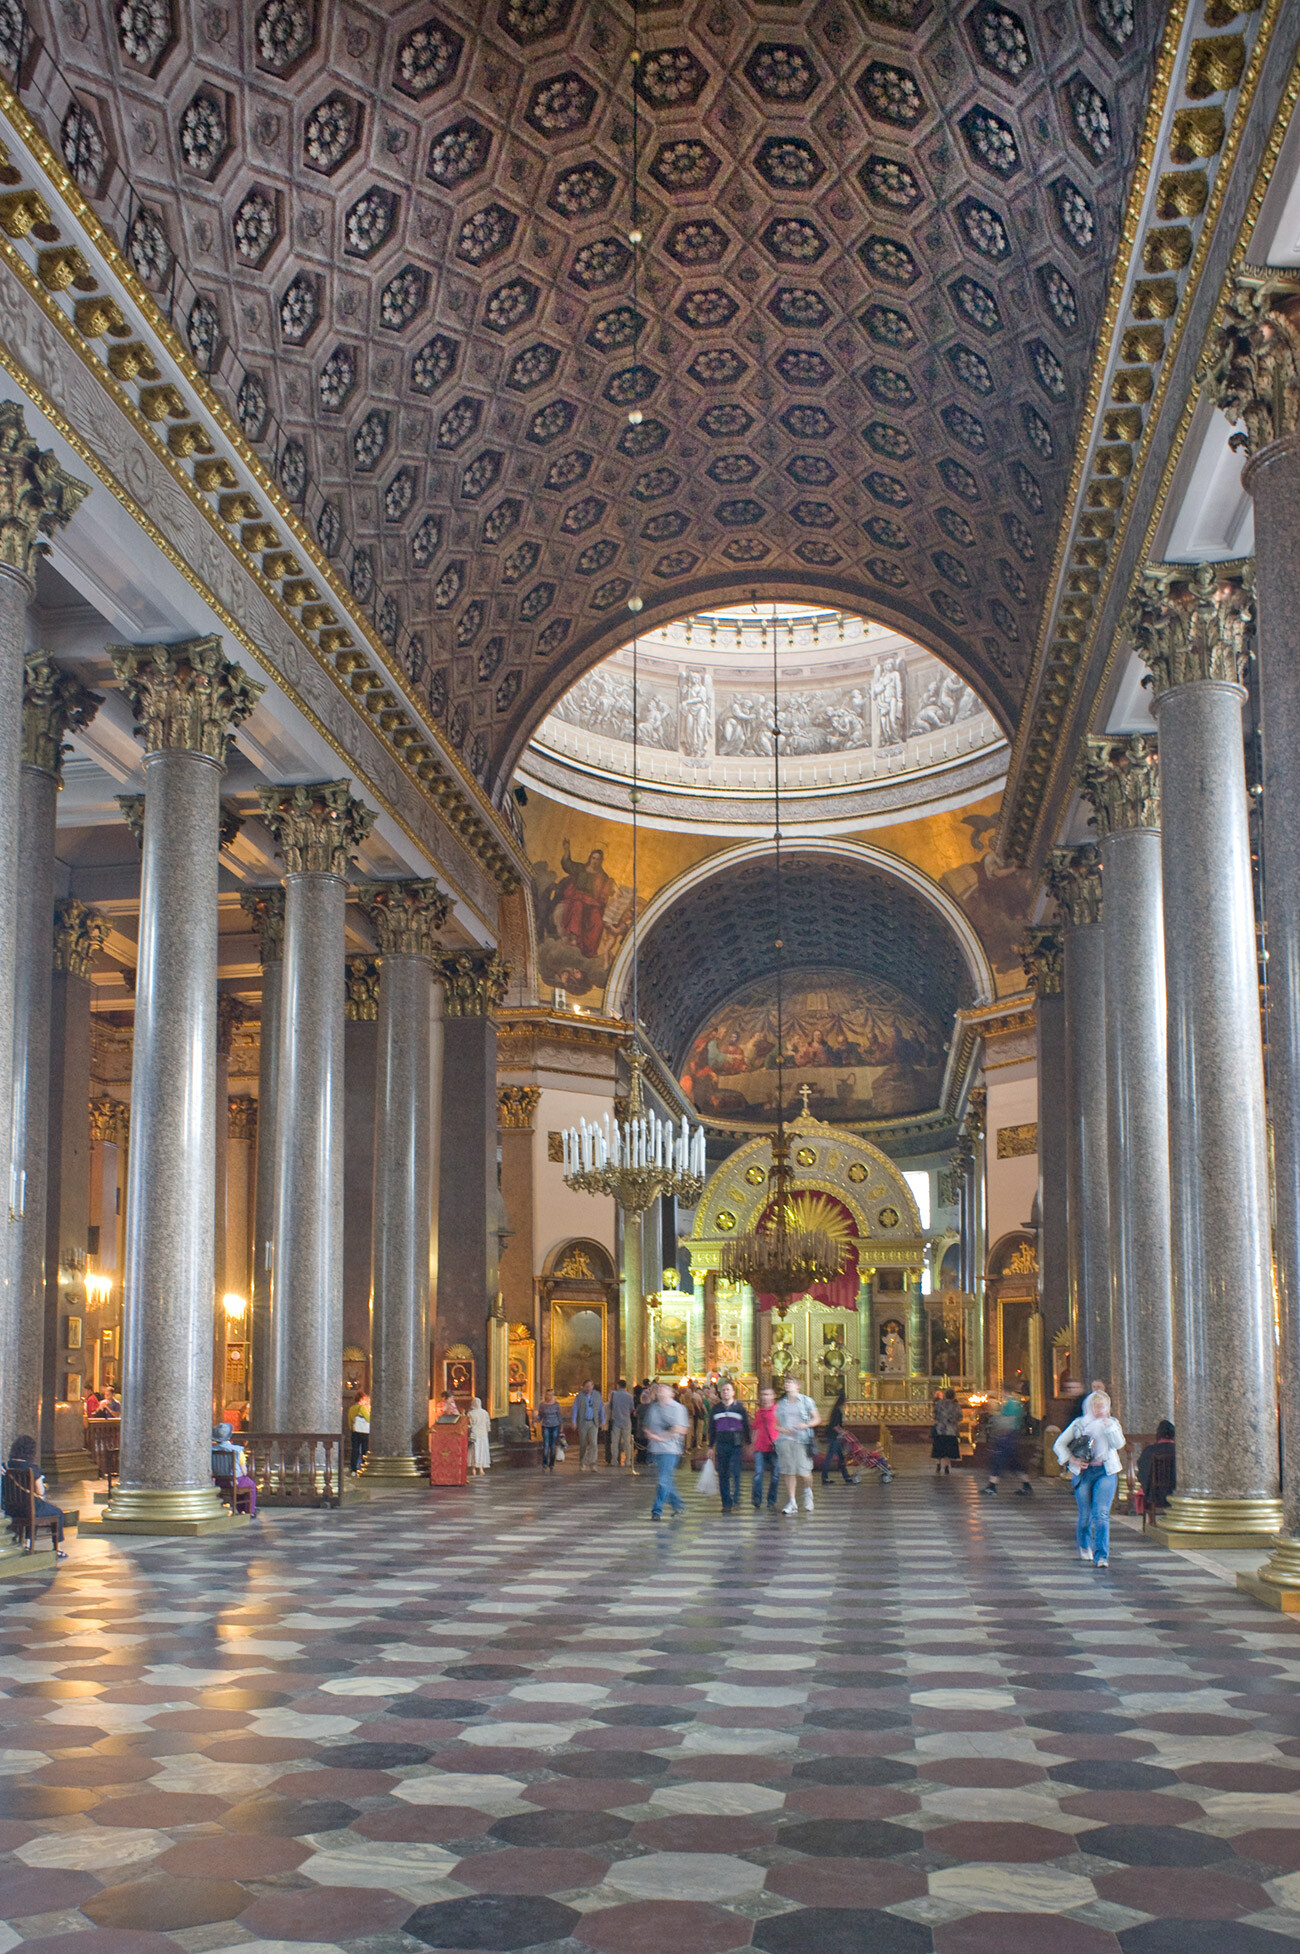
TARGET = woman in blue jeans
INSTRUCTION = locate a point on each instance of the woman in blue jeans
(550, 1418)
(1089, 1448)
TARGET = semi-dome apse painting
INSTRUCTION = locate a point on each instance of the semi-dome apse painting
(862, 1046)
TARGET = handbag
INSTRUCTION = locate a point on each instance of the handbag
(1079, 1446)
(707, 1482)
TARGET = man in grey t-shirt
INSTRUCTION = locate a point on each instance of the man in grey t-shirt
(666, 1425)
(620, 1426)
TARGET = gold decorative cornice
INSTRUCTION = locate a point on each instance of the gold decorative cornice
(1042, 951)
(517, 1107)
(316, 828)
(264, 908)
(241, 1111)
(110, 1121)
(474, 982)
(36, 495)
(1193, 626)
(361, 999)
(231, 1013)
(1254, 357)
(132, 806)
(78, 933)
(185, 697)
(54, 702)
(1120, 777)
(1074, 883)
(405, 916)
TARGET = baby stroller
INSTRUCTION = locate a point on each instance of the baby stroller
(859, 1460)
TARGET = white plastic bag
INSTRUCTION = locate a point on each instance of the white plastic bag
(707, 1481)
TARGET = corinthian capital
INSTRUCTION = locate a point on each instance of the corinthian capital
(516, 1107)
(264, 908)
(132, 806)
(474, 981)
(36, 496)
(1255, 358)
(404, 916)
(1041, 951)
(78, 933)
(1074, 883)
(361, 992)
(1191, 624)
(186, 697)
(1121, 778)
(231, 1013)
(315, 828)
(54, 701)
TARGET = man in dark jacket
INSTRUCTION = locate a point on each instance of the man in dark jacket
(728, 1437)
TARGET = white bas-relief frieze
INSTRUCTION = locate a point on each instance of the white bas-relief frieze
(150, 490)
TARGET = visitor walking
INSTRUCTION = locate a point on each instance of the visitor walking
(551, 1420)
(1157, 1467)
(945, 1440)
(728, 1436)
(666, 1425)
(1006, 1429)
(589, 1421)
(620, 1426)
(796, 1421)
(359, 1428)
(1089, 1448)
(765, 1438)
(480, 1432)
(834, 1453)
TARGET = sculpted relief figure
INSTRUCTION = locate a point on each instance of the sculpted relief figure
(888, 699)
(695, 714)
(946, 699)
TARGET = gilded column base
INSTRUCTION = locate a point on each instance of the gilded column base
(1190, 1521)
(1277, 1582)
(150, 1509)
(404, 1471)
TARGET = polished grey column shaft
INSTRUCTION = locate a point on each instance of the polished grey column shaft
(1121, 779)
(1042, 952)
(408, 1088)
(31, 1062)
(1074, 876)
(1191, 629)
(265, 910)
(15, 590)
(315, 828)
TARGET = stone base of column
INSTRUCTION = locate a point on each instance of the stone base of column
(61, 1467)
(1189, 1521)
(1277, 1582)
(195, 1510)
(405, 1472)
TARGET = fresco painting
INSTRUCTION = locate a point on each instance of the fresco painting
(862, 1046)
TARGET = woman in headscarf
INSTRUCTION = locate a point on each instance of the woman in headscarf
(244, 1497)
(480, 1430)
(23, 1472)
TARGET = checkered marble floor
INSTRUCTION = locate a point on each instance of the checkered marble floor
(518, 1716)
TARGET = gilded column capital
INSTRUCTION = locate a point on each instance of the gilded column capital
(963, 1155)
(1042, 950)
(1121, 779)
(1074, 883)
(1193, 623)
(405, 915)
(132, 806)
(977, 1107)
(54, 702)
(516, 1107)
(36, 495)
(186, 697)
(264, 908)
(361, 1001)
(316, 828)
(229, 822)
(110, 1121)
(241, 1110)
(231, 1013)
(78, 933)
(474, 981)
(1254, 358)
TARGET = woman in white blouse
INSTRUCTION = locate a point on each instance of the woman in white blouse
(1089, 1448)
(480, 1428)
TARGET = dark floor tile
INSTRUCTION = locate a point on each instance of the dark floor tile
(491, 1921)
(1101, 1774)
(849, 1882)
(36, 1889)
(1021, 1933)
(560, 1828)
(325, 1913)
(150, 1808)
(850, 1838)
(1154, 1845)
(654, 1926)
(842, 1930)
(286, 1818)
(650, 1715)
(1199, 1937)
(608, 1764)
(1182, 1892)
(531, 1869)
(987, 1841)
(854, 1770)
(161, 1904)
(43, 1800)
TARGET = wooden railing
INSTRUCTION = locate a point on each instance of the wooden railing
(295, 1468)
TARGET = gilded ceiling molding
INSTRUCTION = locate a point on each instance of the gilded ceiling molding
(132, 374)
(1167, 233)
(1120, 779)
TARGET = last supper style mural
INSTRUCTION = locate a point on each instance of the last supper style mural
(864, 1049)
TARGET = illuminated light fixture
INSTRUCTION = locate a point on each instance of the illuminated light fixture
(98, 1289)
(236, 1307)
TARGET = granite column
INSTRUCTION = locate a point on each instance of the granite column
(360, 1071)
(1121, 780)
(53, 703)
(1256, 380)
(317, 828)
(36, 497)
(405, 917)
(187, 699)
(264, 908)
(1043, 954)
(1074, 878)
(468, 1255)
(1191, 627)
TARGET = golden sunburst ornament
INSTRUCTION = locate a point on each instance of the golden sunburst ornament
(802, 1240)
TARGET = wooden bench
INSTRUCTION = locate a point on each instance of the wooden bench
(103, 1441)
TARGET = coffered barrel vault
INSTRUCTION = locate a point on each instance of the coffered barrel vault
(878, 240)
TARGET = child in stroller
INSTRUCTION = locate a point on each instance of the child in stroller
(858, 1460)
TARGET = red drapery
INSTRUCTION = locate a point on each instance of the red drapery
(842, 1293)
